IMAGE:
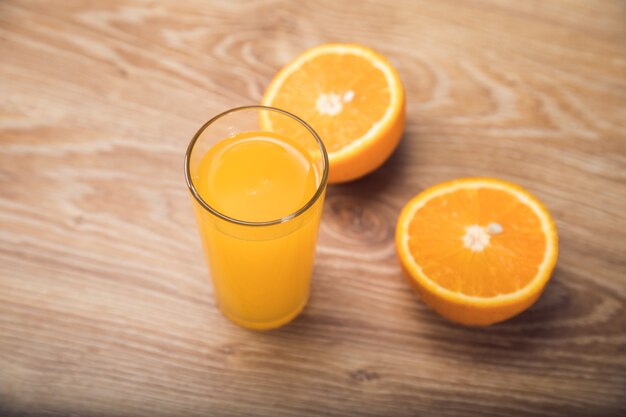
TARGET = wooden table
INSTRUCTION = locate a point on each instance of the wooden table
(105, 304)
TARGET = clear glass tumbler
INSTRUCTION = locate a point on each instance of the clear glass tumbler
(240, 167)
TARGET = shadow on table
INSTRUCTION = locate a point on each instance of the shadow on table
(377, 182)
(541, 324)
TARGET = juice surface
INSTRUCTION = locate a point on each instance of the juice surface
(261, 274)
(256, 177)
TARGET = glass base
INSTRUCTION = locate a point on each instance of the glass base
(265, 325)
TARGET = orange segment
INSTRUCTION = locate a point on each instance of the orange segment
(479, 250)
(351, 96)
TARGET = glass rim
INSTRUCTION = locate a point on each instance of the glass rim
(301, 210)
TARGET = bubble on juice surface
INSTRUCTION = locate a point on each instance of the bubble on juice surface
(262, 185)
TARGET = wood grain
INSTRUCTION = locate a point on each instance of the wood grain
(105, 304)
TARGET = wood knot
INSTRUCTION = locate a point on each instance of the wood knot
(363, 375)
(358, 220)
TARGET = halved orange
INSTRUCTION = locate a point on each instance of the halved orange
(478, 250)
(352, 97)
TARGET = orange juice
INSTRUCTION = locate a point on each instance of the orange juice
(260, 273)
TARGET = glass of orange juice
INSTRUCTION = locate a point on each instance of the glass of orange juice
(257, 176)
